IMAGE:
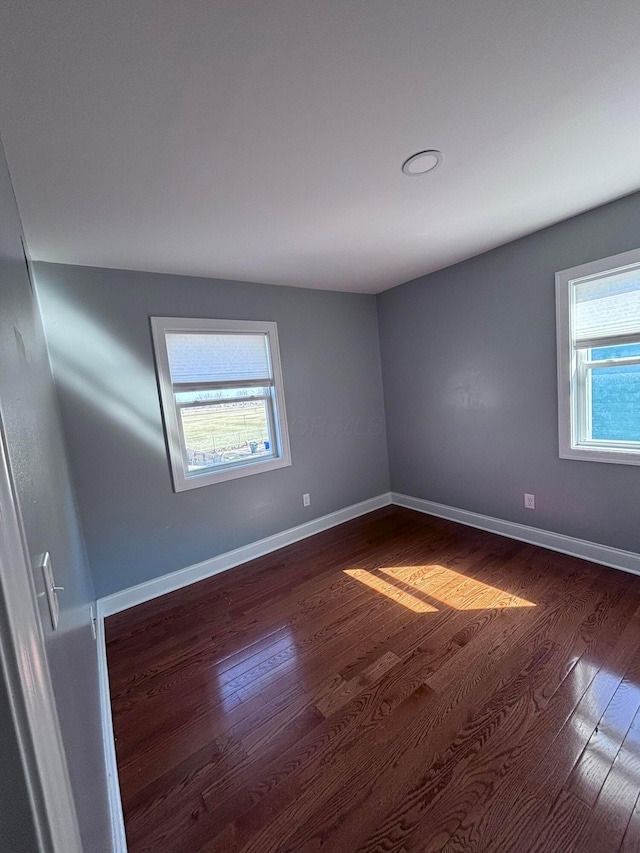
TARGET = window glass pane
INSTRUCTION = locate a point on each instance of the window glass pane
(623, 351)
(615, 396)
(217, 357)
(214, 394)
(226, 432)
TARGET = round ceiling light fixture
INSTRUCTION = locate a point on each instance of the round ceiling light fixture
(422, 163)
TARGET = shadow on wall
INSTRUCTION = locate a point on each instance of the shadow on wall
(92, 363)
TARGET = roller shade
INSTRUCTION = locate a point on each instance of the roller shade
(607, 310)
(218, 357)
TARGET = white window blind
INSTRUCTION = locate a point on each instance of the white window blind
(607, 309)
(223, 357)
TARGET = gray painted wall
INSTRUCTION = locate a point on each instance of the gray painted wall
(136, 527)
(38, 461)
(469, 368)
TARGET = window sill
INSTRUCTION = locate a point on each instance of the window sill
(209, 478)
(597, 454)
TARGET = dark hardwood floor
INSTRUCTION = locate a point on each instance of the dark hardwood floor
(399, 683)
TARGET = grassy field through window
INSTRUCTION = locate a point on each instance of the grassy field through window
(220, 433)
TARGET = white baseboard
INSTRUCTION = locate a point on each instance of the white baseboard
(627, 561)
(118, 836)
(149, 590)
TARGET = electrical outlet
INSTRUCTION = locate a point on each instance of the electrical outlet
(306, 500)
(530, 501)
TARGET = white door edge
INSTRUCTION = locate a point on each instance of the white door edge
(24, 660)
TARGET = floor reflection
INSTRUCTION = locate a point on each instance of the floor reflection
(240, 677)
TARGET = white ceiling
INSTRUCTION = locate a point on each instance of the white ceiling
(263, 139)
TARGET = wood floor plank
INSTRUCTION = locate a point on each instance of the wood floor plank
(411, 795)
(315, 604)
(138, 630)
(557, 833)
(344, 691)
(631, 840)
(290, 804)
(455, 783)
(502, 792)
(550, 775)
(397, 683)
(608, 819)
(340, 731)
(448, 624)
(442, 721)
(593, 766)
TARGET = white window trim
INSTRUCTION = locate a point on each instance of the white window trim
(568, 415)
(181, 482)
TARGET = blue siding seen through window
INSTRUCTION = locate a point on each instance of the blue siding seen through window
(615, 395)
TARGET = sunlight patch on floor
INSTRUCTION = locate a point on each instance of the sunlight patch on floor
(391, 591)
(454, 589)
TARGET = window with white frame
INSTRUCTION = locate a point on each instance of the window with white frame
(598, 331)
(222, 398)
